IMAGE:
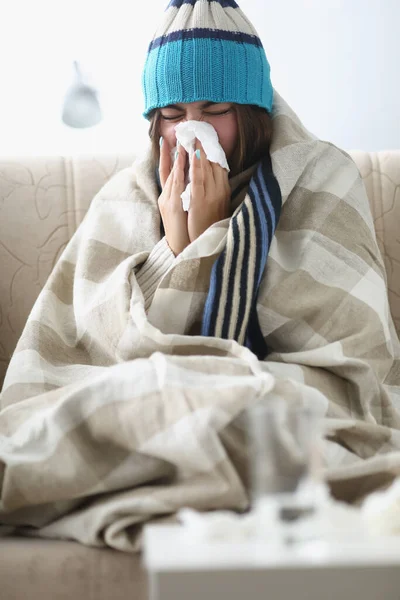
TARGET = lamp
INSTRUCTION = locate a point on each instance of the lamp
(81, 106)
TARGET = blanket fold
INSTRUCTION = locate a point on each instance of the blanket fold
(115, 409)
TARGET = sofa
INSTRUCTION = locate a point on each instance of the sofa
(42, 202)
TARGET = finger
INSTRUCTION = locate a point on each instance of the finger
(165, 161)
(179, 170)
(185, 159)
(208, 176)
(196, 174)
(182, 156)
(205, 163)
(167, 185)
(220, 176)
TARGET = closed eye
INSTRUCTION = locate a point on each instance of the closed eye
(216, 114)
(208, 114)
(175, 118)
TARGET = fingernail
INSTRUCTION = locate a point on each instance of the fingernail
(176, 154)
(197, 153)
(161, 141)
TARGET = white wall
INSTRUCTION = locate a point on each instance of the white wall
(335, 61)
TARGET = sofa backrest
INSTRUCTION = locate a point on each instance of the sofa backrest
(43, 200)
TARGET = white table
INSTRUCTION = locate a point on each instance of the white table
(180, 569)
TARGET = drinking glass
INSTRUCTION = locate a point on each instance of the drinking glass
(285, 461)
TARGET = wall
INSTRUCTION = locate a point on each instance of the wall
(335, 61)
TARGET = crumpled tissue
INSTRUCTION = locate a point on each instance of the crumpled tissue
(381, 510)
(186, 134)
(331, 520)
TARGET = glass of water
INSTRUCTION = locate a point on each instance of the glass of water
(285, 461)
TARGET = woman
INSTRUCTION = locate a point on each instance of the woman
(158, 328)
(244, 132)
(206, 62)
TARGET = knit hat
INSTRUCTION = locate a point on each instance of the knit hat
(206, 50)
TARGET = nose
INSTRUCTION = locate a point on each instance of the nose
(193, 115)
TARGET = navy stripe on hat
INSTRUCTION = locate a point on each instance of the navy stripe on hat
(205, 33)
(223, 3)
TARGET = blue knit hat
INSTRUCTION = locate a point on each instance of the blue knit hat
(206, 50)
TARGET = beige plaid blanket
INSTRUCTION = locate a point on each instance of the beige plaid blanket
(115, 411)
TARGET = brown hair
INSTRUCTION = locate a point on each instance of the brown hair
(254, 136)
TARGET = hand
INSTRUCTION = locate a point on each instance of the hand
(211, 193)
(174, 218)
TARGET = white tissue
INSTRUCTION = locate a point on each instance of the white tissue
(381, 510)
(331, 521)
(217, 525)
(186, 134)
(261, 523)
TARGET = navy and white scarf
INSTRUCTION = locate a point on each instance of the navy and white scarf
(230, 309)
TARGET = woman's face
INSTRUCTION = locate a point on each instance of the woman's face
(221, 116)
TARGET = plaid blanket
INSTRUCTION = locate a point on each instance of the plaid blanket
(116, 410)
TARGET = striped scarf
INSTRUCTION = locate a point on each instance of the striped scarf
(230, 309)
